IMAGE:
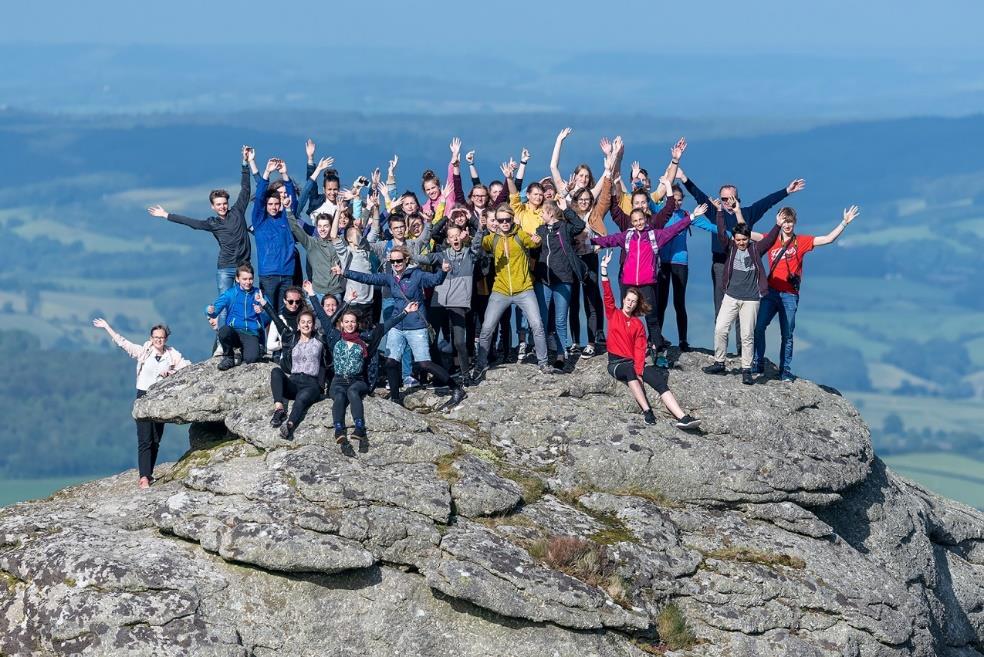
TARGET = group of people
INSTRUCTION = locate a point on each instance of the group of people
(433, 288)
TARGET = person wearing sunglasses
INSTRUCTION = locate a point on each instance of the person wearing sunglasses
(282, 335)
(405, 285)
(155, 361)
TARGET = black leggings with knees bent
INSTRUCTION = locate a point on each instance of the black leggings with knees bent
(675, 275)
(624, 370)
(231, 339)
(302, 388)
(394, 375)
(345, 391)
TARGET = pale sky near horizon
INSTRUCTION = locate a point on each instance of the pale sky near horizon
(834, 27)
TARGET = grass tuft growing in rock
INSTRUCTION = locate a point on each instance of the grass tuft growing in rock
(582, 559)
(673, 629)
(532, 486)
(445, 466)
(752, 555)
(648, 494)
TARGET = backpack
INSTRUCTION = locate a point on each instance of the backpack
(488, 257)
(652, 242)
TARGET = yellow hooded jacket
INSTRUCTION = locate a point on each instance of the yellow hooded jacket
(510, 262)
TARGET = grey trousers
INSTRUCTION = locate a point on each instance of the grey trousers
(498, 304)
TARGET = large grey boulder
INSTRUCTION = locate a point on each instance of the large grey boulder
(540, 517)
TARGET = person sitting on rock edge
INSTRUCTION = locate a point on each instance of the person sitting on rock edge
(155, 361)
(627, 351)
(244, 321)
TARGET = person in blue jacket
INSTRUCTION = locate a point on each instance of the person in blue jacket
(406, 285)
(243, 322)
(275, 251)
(674, 267)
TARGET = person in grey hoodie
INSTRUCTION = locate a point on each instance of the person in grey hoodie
(354, 252)
(452, 297)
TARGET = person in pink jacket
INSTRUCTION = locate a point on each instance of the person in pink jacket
(155, 361)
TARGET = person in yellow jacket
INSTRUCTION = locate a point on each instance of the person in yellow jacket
(510, 261)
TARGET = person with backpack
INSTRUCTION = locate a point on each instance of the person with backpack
(786, 253)
(509, 259)
(627, 352)
(744, 285)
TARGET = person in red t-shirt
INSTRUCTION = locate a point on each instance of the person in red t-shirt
(627, 351)
(785, 258)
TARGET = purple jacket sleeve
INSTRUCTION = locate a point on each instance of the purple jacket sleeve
(659, 219)
(608, 241)
(459, 192)
(664, 235)
(622, 220)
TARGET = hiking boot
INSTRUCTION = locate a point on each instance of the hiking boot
(457, 395)
(363, 440)
(227, 363)
(341, 438)
(287, 430)
(588, 351)
(574, 349)
(649, 417)
(687, 422)
(746, 377)
(478, 374)
(787, 377)
(715, 368)
(466, 380)
(279, 415)
(662, 362)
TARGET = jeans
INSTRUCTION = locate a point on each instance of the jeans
(783, 304)
(499, 304)
(389, 303)
(347, 391)
(149, 434)
(274, 288)
(560, 294)
(397, 341)
(224, 279)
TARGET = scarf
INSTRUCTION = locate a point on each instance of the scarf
(357, 339)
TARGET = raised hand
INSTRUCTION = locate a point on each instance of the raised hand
(309, 148)
(618, 145)
(258, 298)
(157, 211)
(346, 194)
(372, 201)
(210, 310)
(678, 148)
(455, 147)
(282, 168)
(247, 153)
(324, 163)
(506, 168)
(376, 178)
(308, 288)
(851, 213)
(605, 259)
(99, 322)
(606, 146)
(445, 265)
(448, 191)
(795, 186)
(716, 202)
(393, 163)
(564, 134)
(636, 169)
(699, 210)
(470, 157)
(524, 155)
(561, 201)
(272, 165)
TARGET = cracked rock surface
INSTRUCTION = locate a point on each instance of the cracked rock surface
(541, 517)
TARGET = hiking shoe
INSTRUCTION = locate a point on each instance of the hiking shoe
(649, 417)
(522, 352)
(687, 422)
(758, 370)
(787, 377)
(279, 415)
(478, 374)
(588, 351)
(457, 395)
(715, 368)
(409, 383)
(575, 348)
(684, 346)
(546, 368)
(226, 363)
(287, 430)
(466, 380)
(662, 362)
(340, 438)
(746, 377)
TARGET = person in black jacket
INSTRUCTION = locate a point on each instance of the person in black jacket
(557, 267)
(744, 283)
(228, 226)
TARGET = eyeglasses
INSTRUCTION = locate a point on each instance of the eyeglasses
(292, 301)
(158, 337)
(480, 195)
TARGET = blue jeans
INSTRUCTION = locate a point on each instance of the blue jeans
(783, 304)
(560, 294)
(418, 341)
(389, 303)
(224, 279)
(274, 288)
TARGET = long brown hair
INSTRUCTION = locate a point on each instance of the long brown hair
(642, 307)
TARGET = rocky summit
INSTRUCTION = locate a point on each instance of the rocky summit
(542, 517)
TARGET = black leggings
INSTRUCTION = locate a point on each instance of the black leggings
(230, 339)
(347, 391)
(302, 388)
(450, 323)
(149, 434)
(623, 369)
(676, 275)
(652, 321)
(591, 293)
(394, 374)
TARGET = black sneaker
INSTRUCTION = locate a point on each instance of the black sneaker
(466, 380)
(746, 377)
(478, 374)
(687, 422)
(457, 395)
(715, 368)
(341, 438)
(649, 417)
(226, 363)
(279, 415)
(287, 430)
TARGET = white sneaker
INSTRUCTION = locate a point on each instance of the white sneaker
(410, 382)
(588, 351)
(523, 351)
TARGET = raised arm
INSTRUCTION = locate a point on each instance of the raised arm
(659, 219)
(722, 233)
(245, 183)
(271, 312)
(524, 157)
(849, 215)
(606, 286)
(758, 209)
(197, 224)
(693, 189)
(472, 169)
(555, 161)
(133, 350)
(597, 217)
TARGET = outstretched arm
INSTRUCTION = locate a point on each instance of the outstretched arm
(849, 215)
(197, 224)
(472, 169)
(758, 209)
(245, 183)
(133, 350)
(555, 162)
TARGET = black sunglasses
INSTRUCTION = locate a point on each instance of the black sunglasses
(397, 260)
(292, 300)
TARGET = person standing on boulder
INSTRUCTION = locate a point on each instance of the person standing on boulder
(155, 361)
(627, 351)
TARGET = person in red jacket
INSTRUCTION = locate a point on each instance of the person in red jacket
(627, 351)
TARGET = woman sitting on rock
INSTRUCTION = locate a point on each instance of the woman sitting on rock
(356, 367)
(155, 361)
(627, 351)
